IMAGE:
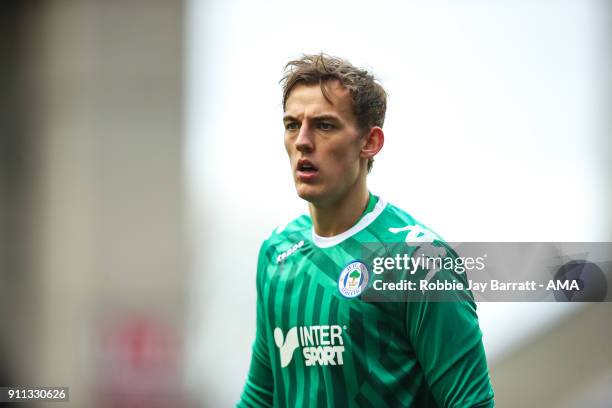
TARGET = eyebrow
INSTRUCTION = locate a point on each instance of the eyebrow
(324, 116)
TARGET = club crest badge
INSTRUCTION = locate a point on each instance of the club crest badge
(353, 279)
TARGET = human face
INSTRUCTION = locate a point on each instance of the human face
(323, 142)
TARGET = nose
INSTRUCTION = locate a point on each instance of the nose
(304, 141)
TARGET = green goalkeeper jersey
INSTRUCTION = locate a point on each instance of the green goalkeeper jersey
(318, 343)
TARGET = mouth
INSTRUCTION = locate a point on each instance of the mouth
(306, 170)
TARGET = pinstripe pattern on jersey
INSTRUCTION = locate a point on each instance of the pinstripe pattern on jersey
(379, 365)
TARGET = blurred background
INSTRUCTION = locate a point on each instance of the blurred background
(141, 166)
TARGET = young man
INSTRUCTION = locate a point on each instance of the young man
(318, 342)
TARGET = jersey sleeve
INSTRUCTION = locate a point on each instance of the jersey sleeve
(447, 341)
(259, 387)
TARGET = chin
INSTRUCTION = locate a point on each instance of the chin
(308, 193)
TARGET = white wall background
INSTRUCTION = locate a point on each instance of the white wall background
(496, 130)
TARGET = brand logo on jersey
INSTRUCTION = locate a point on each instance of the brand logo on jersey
(416, 234)
(289, 252)
(321, 345)
(353, 279)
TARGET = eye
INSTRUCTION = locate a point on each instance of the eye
(325, 126)
(291, 126)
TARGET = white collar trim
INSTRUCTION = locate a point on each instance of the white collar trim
(326, 242)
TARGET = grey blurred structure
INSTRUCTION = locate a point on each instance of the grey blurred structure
(568, 366)
(91, 184)
(92, 205)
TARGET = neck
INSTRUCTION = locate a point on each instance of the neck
(335, 218)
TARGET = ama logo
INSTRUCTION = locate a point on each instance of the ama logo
(353, 279)
(321, 345)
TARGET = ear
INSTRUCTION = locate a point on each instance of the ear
(372, 143)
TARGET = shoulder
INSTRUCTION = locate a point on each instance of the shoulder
(296, 225)
(396, 225)
(285, 237)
